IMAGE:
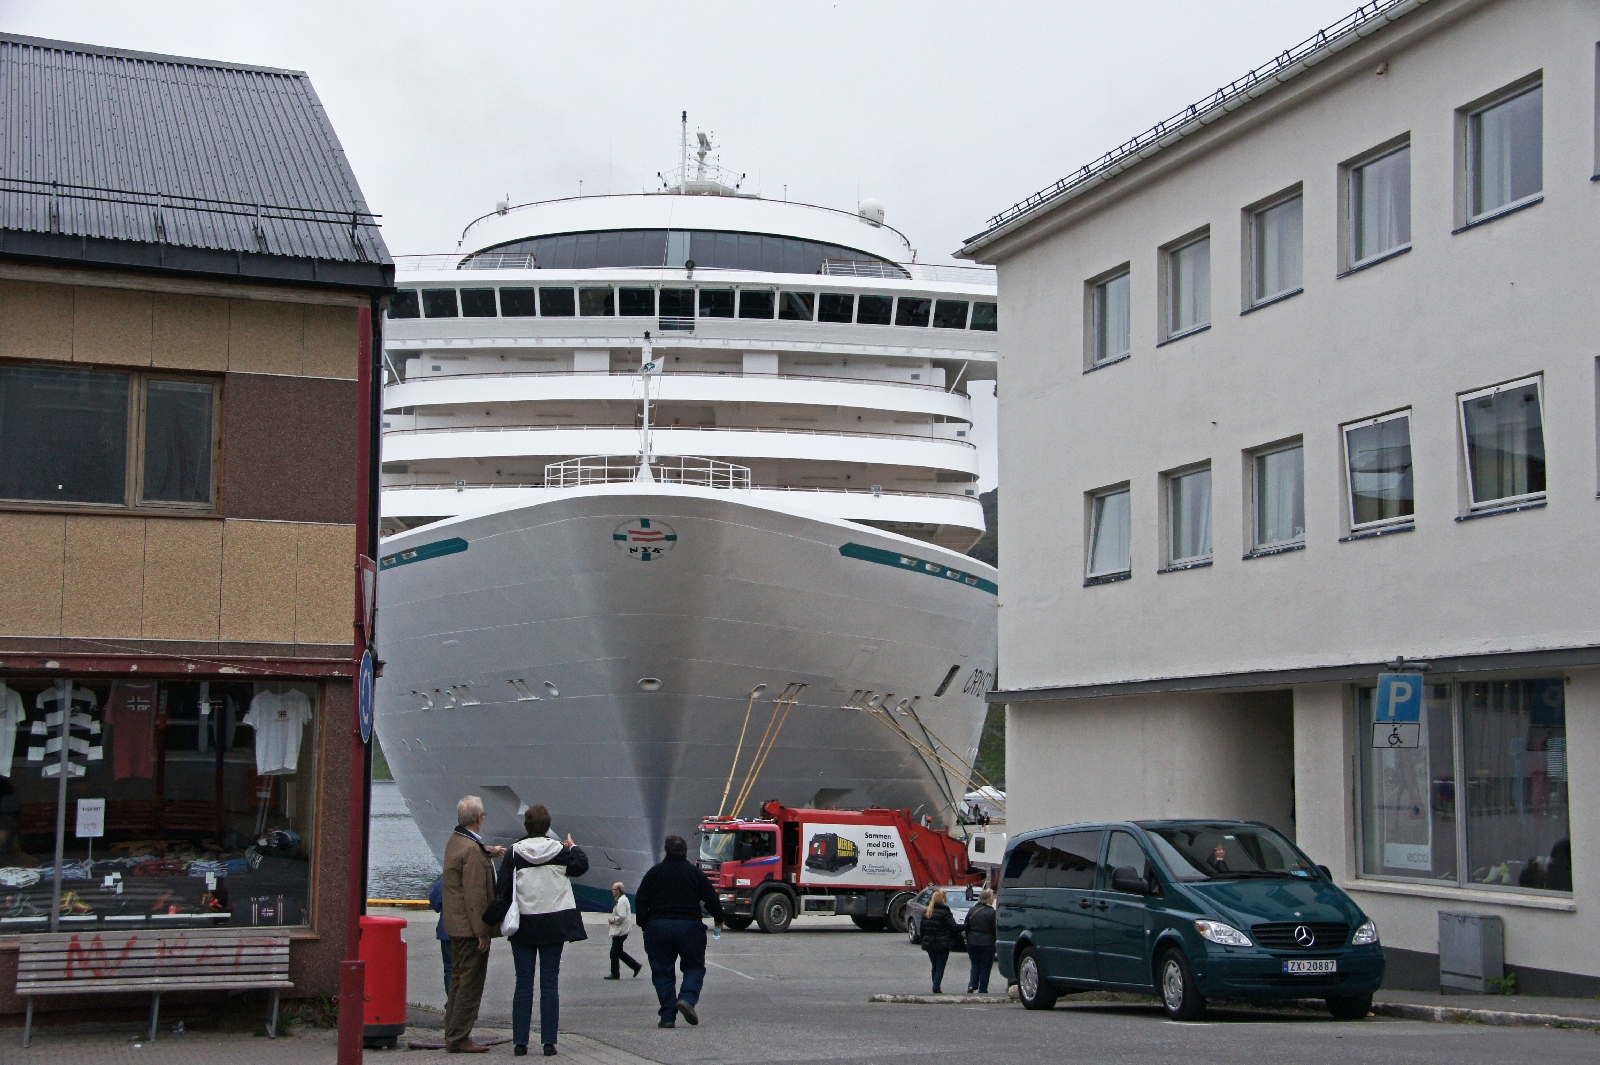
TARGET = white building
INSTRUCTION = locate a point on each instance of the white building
(1298, 382)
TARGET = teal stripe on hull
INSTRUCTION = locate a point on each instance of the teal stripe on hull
(453, 546)
(913, 564)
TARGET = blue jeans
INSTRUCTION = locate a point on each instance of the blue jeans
(683, 942)
(548, 961)
(982, 962)
(938, 958)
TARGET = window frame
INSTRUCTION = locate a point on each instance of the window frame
(1350, 203)
(1169, 484)
(133, 482)
(1252, 237)
(1349, 478)
(1092, 520)
(1168, 309)
(1094, 317)
(1253, 493)
(1462, 398)
(1466, 124)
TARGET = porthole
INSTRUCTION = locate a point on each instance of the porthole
(649, 684)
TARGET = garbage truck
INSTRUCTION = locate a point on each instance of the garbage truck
(862, 864)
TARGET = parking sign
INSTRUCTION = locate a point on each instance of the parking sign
(1399, 698)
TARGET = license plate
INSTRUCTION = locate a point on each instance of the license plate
(1310, 966)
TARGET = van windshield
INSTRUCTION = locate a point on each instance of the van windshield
(1228, 852)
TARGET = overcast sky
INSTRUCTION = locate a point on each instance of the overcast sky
(947, 112)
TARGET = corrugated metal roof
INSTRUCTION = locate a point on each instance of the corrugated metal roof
(109, 145)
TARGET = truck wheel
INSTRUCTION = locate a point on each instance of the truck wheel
(1179, 994)
(1034, 989)
(738, 924)
(871, 924)
(898, 912)
(774, 911)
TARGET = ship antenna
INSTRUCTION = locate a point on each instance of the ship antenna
(647, 366)
(683, 153)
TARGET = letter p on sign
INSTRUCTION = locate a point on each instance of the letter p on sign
(1399, 697)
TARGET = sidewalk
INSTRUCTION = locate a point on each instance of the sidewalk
(1490, 1009)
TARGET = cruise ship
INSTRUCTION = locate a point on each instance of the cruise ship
(676, 492)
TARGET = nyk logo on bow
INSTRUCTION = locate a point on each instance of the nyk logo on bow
(645, 538)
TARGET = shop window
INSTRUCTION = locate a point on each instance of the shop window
(1503, 791)
(205, 794)
(64, 438)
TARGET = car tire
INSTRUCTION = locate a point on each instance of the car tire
(1180, 995)
(774, 911)
(899, 913)
(871, 924)
(1035, 991)
(913, 932)
(738, 924)
(1350, 1007)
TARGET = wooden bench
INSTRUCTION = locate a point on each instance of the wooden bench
(74, 963)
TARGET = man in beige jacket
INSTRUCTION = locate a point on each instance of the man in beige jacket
(468, 891)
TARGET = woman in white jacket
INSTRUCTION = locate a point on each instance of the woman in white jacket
(621, 922)
(539, 870)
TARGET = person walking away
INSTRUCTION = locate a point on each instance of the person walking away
(468, 890)
(436, 904)
(621, 922)
(979, 927)
(940, 935)
(669, 900)
(537, 876)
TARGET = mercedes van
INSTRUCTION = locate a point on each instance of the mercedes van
(1190, 911)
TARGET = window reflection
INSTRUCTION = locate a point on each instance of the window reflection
(716, 303)
(518, 303)
(557, 303)
(477, 303)
(757, 303)
(637, 302)
(950, 314)
(835, 307)
(913, 310)
(874, 310)
(710, 250)
(596, 302)
(796, 306)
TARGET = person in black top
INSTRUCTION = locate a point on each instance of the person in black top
(980, 942)
(940, 935)
(668, 905)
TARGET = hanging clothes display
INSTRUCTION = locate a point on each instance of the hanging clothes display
(216, 725)
(12, 714)
(131, 712)
(279, 719)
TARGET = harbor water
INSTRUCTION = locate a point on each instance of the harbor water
(399, 863)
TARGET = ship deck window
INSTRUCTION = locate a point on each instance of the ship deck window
(986, 316)
(716, 303)
(477, 303)
(950, 314)
(518, 303)
(439, 303)
(677, 303)
(404, 304)
(597, 302)
(913, 310)
(796, 306)
(757, 303)
(836, 307)
(557, 303)
(637, 302)
(710, 250)
(874, 310)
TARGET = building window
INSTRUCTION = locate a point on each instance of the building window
(1189, 516)
(1502, 429)
(1275, 249)
(65, 438)
(1188, 274)
(1505, 152)
(1110, 318)
(1378, 465)
(1380, 206)
(1110, 528)
(1280, 503)
(1489, 812)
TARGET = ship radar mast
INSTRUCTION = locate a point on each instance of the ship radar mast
(707, 179)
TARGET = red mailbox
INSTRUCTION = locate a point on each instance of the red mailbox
(384, 951)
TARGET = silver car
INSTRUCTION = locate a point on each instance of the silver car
(960, 897)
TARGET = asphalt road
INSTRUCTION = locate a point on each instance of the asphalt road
(802, 997)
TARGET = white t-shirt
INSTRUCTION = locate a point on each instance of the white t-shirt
(278, 721)
(12, 714)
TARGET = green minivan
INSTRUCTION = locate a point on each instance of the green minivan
(1190, 911)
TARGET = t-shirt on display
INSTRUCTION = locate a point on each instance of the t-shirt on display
(12, 713)
(278, 720)
(131, 713)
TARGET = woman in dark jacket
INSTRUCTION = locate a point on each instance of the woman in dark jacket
(536, 878)
(980, 942)
(940, 935)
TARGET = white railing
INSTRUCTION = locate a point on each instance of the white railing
(628, 466)
(634, 375)
(862, 268)
(620, 469)
(934, 272)
(673, 429)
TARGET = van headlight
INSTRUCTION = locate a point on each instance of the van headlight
(1365, 936)
(1225, 934)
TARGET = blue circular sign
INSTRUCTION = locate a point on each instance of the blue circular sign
(364, 696)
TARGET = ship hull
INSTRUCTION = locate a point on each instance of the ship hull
(596, 651)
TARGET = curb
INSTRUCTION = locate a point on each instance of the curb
(1499, 1018)
(943, 1000)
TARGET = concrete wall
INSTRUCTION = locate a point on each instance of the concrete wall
(1504, 299)
(1139, 757)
